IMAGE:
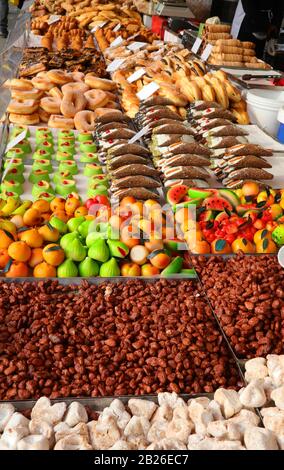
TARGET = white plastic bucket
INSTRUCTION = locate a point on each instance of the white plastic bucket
(263, 107)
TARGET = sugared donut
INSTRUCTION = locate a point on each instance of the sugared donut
(60, 122)
(96, 99)
(59, 77)
(99, 83)
(72, 103)
(32, 94)
(43, 115)
(77, 76)
(19, 84)
(41, 83)
(75, 86)
(56, 92)
(84, 121)
(22, 107)
(50, 104)
(26, 119)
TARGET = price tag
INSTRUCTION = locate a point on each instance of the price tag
(98, 26)
(135, 46)
(136, 75)
(147, 91)
(139, 134)
(33, 41)
(117, 27)
(116, 42)
(53, 19)
(196, 45)
(281, 256)
(114, 65)
(207, 51)
(16, 140)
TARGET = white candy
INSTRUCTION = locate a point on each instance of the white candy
(172, 399)
(167, 444)
(138, 442)
(17, 419)
(50, 413)
(6, 412)
(260, 439)
(274, 421)
(224, 430)
(210, 443)
(256, 369)
(11, 436)
(157, 431)
(76, 413)
(278, 397)
(139, 407)
(179, 429)
(137, 426)
(199, 416)
(229, 401)
(33, 442)
(163, 413)
(253, 395)
(103, 435)
(73, 442)
(37, 426)
(122, 445)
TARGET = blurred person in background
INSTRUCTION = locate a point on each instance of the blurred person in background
(4, 10)
(257, 21)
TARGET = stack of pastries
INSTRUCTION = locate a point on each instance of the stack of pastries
(61, 99)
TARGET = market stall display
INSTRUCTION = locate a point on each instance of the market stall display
(129, 157)
(62, 100)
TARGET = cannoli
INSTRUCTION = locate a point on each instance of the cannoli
(164, 121)
(135, 149)
(163, 113)
(156, 100)
(117, 162)
(184, 160)
(202, 105)
(221, 131)
(193, 148)
(213, 113)
(176, 128)
(111, 125)
(136, 181)
(108, 144)
(164, 140)
(206, 124)
(138, 193)
(186, 172)
(245, 161)
(111, 115)
(249, 149)
(224, 142)
(135, 169)
(248, 173)
(117, 134)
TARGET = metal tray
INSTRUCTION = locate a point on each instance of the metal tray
(98, 404)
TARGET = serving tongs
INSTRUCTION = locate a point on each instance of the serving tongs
(251, 76)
